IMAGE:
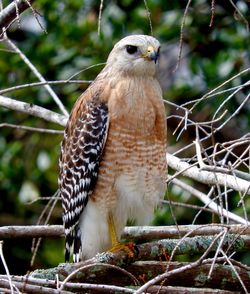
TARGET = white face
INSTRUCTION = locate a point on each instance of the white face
(135, 54)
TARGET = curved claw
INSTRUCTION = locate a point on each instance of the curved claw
(129, 248)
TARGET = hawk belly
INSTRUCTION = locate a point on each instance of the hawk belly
(130, 184)
(133, 168)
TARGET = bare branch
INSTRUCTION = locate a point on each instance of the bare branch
(50, 284)
(181, 34)
(8, 14)
(5, 266)
(27, 288)
(136, 233)
(19, 87)
(210, 93)
(240, 14)
(54, 231)
(176, 271)
(206, 177)
(37, 74)
(217, 209)
(32, 109)
(26, 128)
(100, 17)
(222, 278)
(186, 205)
(149, 17)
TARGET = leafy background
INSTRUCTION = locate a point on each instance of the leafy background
(29, 160)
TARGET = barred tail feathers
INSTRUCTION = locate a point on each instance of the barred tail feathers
(73, 244)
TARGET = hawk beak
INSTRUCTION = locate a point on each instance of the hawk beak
(152, 54)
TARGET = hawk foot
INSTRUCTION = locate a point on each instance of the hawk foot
(129, 248)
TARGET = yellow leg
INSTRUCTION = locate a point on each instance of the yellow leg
(116, 245)
(112, 232)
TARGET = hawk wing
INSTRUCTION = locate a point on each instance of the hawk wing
(81, 150)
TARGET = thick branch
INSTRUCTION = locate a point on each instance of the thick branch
(157, 250)
(134, 233)
(8, 14)
(147, 233)
(55, 231)
(222, 277)
(32, 109)
(97, 269)
(206, 177)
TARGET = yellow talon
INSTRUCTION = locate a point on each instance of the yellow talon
(116, 245)
(125, 247)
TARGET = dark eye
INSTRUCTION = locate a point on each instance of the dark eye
(131, 49)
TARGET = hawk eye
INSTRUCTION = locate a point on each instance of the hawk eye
(131, 49)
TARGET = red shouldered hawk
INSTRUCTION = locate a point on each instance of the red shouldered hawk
(113, 156)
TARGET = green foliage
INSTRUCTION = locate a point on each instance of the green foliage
(71, 44)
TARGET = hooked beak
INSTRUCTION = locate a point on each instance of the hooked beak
(152, 54)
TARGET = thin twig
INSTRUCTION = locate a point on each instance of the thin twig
(205, 206)
(8, 14)
(212, 13)
(35, 246)
(211, 204)
(32, 129)
(100, 17)
(186, 205)
(175, 271)
(181, 34)
(234, 270)
(234, 113)
(217, 252)
(81, 269)
(240, 14)
(207, 95)
(36, 17)
(38, 75)
(17, 14)
(20, 87)
(149, 17)
(85, 69)
(6, 267)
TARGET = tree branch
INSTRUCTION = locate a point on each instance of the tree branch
(93, 271)
(208, 178)
(8, 14)
(38, 75)
(32, 109)
(222, 278)
(135, 233)
(217, 209)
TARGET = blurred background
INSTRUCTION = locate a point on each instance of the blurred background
(215, 47)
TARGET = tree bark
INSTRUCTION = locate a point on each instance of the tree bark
(9, 13)
(134, 233)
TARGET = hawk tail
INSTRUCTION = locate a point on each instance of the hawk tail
(73, 240)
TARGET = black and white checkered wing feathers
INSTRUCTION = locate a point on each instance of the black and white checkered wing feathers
(81, 150)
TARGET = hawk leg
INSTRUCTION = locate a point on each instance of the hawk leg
(116, 244)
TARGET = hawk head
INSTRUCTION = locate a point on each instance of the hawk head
(135, 55)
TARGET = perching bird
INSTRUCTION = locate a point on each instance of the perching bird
(113, 155)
